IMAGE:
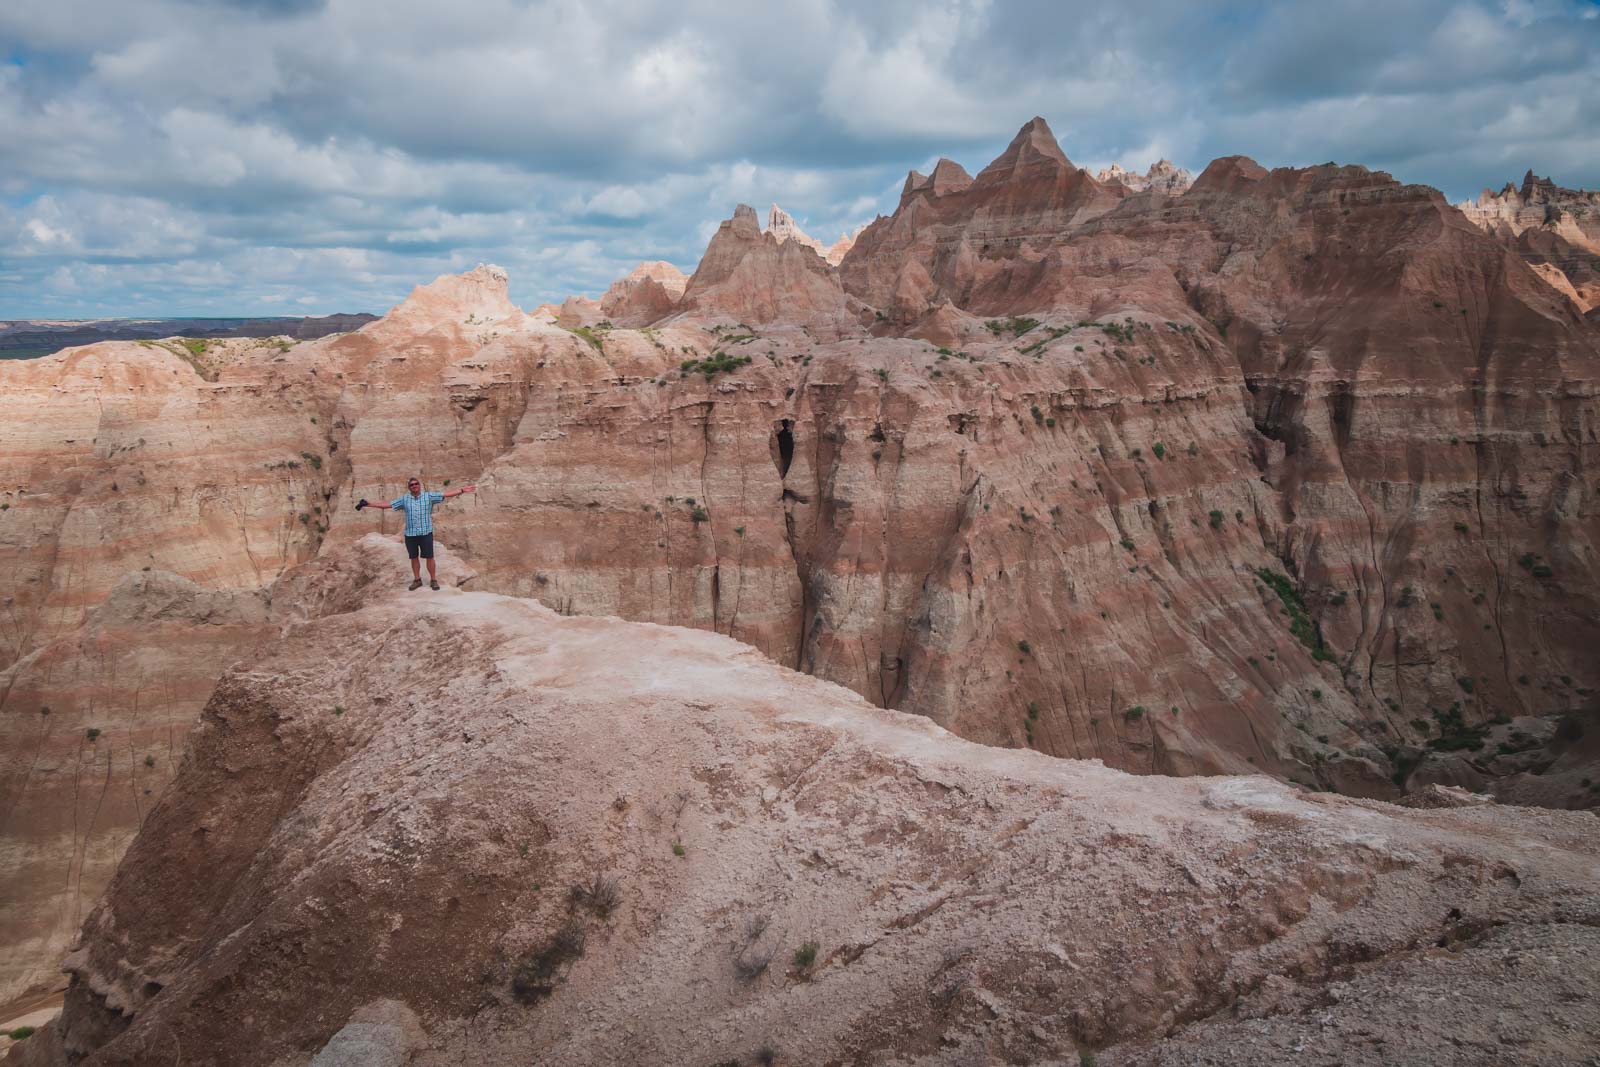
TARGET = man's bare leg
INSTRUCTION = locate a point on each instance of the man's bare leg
(433, 574)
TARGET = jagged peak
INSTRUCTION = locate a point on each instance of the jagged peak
(1034, 145)
(1227, 172)
(914, 180)
(782, 225)
(1163, 175)
(948, 177)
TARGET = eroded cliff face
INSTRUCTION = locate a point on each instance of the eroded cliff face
(525, 814)
(94, 728)
(1293, 468)
(1293, 472)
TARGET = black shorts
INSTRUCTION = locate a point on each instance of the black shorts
(419, 544)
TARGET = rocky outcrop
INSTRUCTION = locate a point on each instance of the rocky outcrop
(649, 293)
(781, 225)
(751, 276)
(981, 240)
(1556, 230)
(523, 813)
(1572, 214)
(1162, 177)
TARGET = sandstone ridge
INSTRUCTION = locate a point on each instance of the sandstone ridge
(454, 820)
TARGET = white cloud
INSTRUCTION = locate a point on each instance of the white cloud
(188, 156)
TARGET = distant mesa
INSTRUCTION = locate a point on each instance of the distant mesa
(31, 338)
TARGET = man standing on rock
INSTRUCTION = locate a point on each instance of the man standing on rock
(418, 507)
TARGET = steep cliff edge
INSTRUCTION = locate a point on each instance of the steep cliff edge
(579, 840)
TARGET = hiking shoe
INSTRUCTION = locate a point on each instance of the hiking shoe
(416, 583)
(433, 585)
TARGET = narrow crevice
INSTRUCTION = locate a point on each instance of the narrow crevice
(783, 447)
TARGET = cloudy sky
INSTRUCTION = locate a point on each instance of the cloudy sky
(228, 157)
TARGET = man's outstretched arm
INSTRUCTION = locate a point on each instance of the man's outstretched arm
(448, 493)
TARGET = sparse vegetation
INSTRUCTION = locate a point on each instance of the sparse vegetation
(589, 335)
(1454, 734)
(805, 957)
(92, 732)
(1216, 519)
(600, 895)
(717, 363)
(749, 960)
(1134, 713)
(21, 1033)
(1025, 648)
(1300, 624)
(1016, 326)
(149, 761)
(678, 849)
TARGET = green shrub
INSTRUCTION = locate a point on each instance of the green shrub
(1025, 648)
(92, 732)
(678, 849)
(806, 955)
(1134, 713)
(1300, 624)
(1216, 520)
(22, 1033)
(1159, 449)
(700, 514)
(1465, 683)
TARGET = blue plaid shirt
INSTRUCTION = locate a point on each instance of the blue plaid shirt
(419, 511)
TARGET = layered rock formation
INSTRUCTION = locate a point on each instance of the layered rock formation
(442, 830)
(93, 730)
(648, 293)
(782, 226)
(751, 276)
(1163, 177)
(1292, 472)
(1556, 230)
